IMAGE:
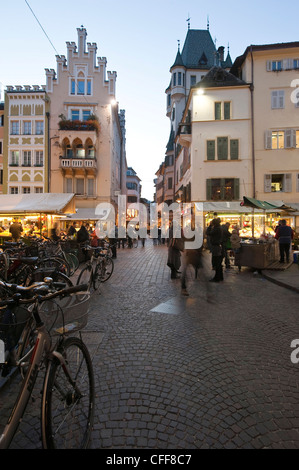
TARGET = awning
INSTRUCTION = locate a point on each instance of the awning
(91, 213)
(45, 203)
(256, 204)
(222, 206)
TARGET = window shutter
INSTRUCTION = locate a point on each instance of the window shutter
(226, 110)
(236, 188)
(217, 111)
(222, 148)
(281, 99)
(297, 184)
(234, 149)
(269, 66)
(274, 99)
(209, 190)
(293, 138)
(288, 139)
(267, 183)
(268, 140)
(211, 149)
(288, 182)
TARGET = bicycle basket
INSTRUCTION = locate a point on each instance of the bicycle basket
(12, 322)
(65, 315)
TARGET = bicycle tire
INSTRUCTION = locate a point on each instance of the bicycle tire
(56, 262)
(67, 412)
(106, 268)
(85, 277)
(74, 260)
(70, 262)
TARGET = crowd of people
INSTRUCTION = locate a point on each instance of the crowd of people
(220, 241)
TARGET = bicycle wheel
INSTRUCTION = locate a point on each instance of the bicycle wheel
(68, 398)
(85, 276)
(106, 268)
(56, 262)
(74, 260)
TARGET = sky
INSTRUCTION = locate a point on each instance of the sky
(140, 41)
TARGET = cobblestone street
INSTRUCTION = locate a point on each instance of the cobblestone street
(211, 370)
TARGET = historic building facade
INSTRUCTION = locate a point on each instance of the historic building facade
(25, 143)
(87, 131)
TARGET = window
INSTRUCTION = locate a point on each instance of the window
(217, 111)
(14, 190)
(27, 158)
(91, 152)
(278, 140)
(81, 87)
(1, 147)
(1, 176)
(90, 187)
(276, 65)
(297, 139)
(132, 186)
(211, 149)
(277, 99)
(222, 148)
(39, 158)
(14, 161)
(89, 87)
(86, 115)
(227, 110)
(15, 128)
(223, 189)
(296, 63)
(38, 190)
(174, 79)
(80, 152)
(26, 190)
(75, 114)
(80, 186)
(27, 128)
(169, 183)
(179, 78)
(73, 87)
(234, 149)
(68, 185)
(193, 80)
(278, 183)
(39, 127)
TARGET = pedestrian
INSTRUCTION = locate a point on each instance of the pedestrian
(225, 243)
(216, 250)
(236, 246)
(16, 230)
(83, 237)
(54, 233)
(72, 230)
(284, 234)
(174, 254)
(190, 257)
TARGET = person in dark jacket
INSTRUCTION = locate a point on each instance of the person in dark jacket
(216, 249)
(16, 230)
(83, 236)
(225, 240)
(284, 234)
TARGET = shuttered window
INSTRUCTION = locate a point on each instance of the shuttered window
(217, 111)
(222, 148)
(223, 189)
(234, 149)
(226, 110)
(211, 149)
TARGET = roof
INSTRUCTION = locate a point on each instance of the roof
(218, 77)
(198, 48)
(262, 47)
(45, 203)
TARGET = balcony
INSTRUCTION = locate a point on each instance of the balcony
(69, 125)
(73, 164)
(185, 134)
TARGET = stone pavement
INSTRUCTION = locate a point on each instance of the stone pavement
(212, 370)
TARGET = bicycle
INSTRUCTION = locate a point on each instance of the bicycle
(97, 270)
(67, 406)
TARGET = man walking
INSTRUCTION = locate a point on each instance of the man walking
(284, 234)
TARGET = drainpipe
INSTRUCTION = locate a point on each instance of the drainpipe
(49, 150)
(252, 126)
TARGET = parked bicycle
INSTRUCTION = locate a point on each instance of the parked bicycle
(67, 407)
(97, 270)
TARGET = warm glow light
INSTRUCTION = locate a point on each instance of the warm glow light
(113, 102)
(200, 91)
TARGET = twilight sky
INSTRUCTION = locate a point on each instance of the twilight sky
(140, 41)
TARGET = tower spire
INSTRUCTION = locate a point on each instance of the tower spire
(208, 23)
(188, 19)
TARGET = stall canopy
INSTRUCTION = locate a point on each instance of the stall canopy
(45, 203)
(266, 206)
(222, 206)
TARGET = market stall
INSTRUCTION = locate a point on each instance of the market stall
(37, 213)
